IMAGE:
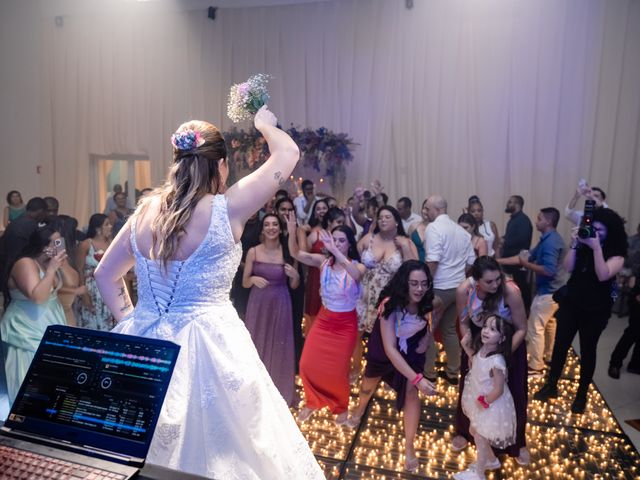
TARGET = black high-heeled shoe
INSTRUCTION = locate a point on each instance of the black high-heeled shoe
(546, 392)
(579, 405)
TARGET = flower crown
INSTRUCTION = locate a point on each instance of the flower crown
(187, 140)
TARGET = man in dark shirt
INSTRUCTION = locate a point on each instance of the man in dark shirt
(517, 237)
(17, 234)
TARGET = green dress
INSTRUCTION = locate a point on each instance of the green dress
(15, 213)
(22, 328)
(419, 243)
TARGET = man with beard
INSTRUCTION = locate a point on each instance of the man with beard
(517, 238)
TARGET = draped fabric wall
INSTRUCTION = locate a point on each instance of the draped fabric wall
(455, 97)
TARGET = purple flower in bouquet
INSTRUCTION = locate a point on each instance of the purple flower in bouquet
(246, 98)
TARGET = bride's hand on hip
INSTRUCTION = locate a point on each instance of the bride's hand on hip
(264, 117)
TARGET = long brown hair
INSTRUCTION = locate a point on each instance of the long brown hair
(483, 264)
(506, 330)
(193, 175)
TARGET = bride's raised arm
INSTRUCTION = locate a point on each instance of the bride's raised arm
(246, 196)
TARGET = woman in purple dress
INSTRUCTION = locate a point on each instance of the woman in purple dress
(268, 268)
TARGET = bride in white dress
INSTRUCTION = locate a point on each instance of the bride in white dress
(222, 416)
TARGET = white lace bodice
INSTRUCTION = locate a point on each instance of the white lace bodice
(222, 413)
(209, 269)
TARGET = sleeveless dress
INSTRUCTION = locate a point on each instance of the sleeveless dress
(374, 280)
(15, 213)
(487, 233)
(498, 422)
(312, 302)
(517, 373)
(101, 317)
(222, 417)
(326, 357)
(21, 329)
(268, 319)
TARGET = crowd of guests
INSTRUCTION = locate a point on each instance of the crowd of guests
(47, 269)
(393, 281)
(318, 282)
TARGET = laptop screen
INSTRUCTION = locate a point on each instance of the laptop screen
(100, 389)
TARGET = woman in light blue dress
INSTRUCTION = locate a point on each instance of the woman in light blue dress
(222, 417)
(32, 289)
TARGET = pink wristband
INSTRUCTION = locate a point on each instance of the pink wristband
(483, 402)
(416, 380)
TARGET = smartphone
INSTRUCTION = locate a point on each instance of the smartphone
(59, 245)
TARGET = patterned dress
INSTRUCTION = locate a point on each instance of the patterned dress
(100, 318)
(374, 280)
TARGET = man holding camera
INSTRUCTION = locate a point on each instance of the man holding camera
(545, 260)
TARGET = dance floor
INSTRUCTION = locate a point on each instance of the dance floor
(562, 445)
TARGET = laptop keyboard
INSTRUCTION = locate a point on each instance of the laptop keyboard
(15, 463)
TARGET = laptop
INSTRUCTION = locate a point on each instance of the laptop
(89, 403)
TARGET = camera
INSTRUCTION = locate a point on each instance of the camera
(586, 230)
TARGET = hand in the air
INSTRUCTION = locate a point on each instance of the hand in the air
(264, 117)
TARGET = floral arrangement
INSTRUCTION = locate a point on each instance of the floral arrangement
(321, 150)
(246, 98)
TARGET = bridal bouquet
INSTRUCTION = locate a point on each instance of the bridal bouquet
(246, 98)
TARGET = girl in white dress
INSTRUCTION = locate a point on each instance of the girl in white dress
(222, 417)
(486, 400)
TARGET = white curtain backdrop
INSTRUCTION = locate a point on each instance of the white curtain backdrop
(457, 97)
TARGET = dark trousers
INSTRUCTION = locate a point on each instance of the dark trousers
(521, 277)
(630, 336)
(571, 319)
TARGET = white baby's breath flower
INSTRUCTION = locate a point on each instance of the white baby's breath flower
(246, 98)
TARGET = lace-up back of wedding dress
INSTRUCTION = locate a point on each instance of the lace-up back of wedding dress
(222, 416)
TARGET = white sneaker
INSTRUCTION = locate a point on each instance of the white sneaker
(468, 474)
(495, 465)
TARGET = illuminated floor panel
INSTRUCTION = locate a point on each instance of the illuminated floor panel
(562, 445)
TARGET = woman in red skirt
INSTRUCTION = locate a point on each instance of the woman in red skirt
(326, 357)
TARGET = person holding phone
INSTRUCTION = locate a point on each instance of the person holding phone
(31, 291)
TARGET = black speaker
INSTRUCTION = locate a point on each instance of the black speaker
(211, 13)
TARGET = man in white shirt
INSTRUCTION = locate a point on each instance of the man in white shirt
(449, 253)
(303, 203)
(408, 217)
